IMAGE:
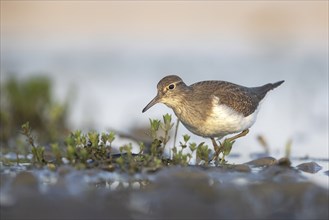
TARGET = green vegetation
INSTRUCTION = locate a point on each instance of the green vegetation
(50, 144)
(227, 147)
(31, 100)
(38, 152)
(92, 150)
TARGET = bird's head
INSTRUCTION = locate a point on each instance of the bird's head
(171, 89)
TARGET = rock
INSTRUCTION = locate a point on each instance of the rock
(241, 168)
(284, 162)
(326, 173)
(260, 162)
(310, 167)
(280, 174)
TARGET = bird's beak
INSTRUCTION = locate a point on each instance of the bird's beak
(153, 102)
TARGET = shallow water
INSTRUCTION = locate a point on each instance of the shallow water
(261, 189)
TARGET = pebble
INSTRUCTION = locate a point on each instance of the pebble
(242, 168)
(284, 162)
(264, 161)
(310, 167)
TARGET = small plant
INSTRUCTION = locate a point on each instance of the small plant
(56, 151)
(202, 153)
(159, 142)
(288, 148)
(127, 161)
(226, 150)
(179, 158)
(37, 151)
(94, 149)
(155, 124)
(166, 127)
(107, 139)
(193, 147)
(186, 139)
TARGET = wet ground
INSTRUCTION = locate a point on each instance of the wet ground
(265, 188)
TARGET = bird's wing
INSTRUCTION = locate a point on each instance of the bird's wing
(239, 98)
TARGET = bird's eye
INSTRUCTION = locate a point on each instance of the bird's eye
(171, 86)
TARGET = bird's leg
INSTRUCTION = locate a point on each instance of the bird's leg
(216, 148)
(176, 131)
(243, 133)
(226, 145)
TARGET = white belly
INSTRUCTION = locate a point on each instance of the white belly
(224, 120)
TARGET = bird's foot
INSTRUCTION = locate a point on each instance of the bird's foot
(224, 148)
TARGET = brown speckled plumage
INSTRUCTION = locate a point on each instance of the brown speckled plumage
(211, 108)
(242, 99)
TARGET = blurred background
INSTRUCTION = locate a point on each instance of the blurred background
(95, 65)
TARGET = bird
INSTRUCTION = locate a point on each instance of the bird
(212, 109)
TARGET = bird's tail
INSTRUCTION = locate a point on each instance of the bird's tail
(262, 90)
(274, 85)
